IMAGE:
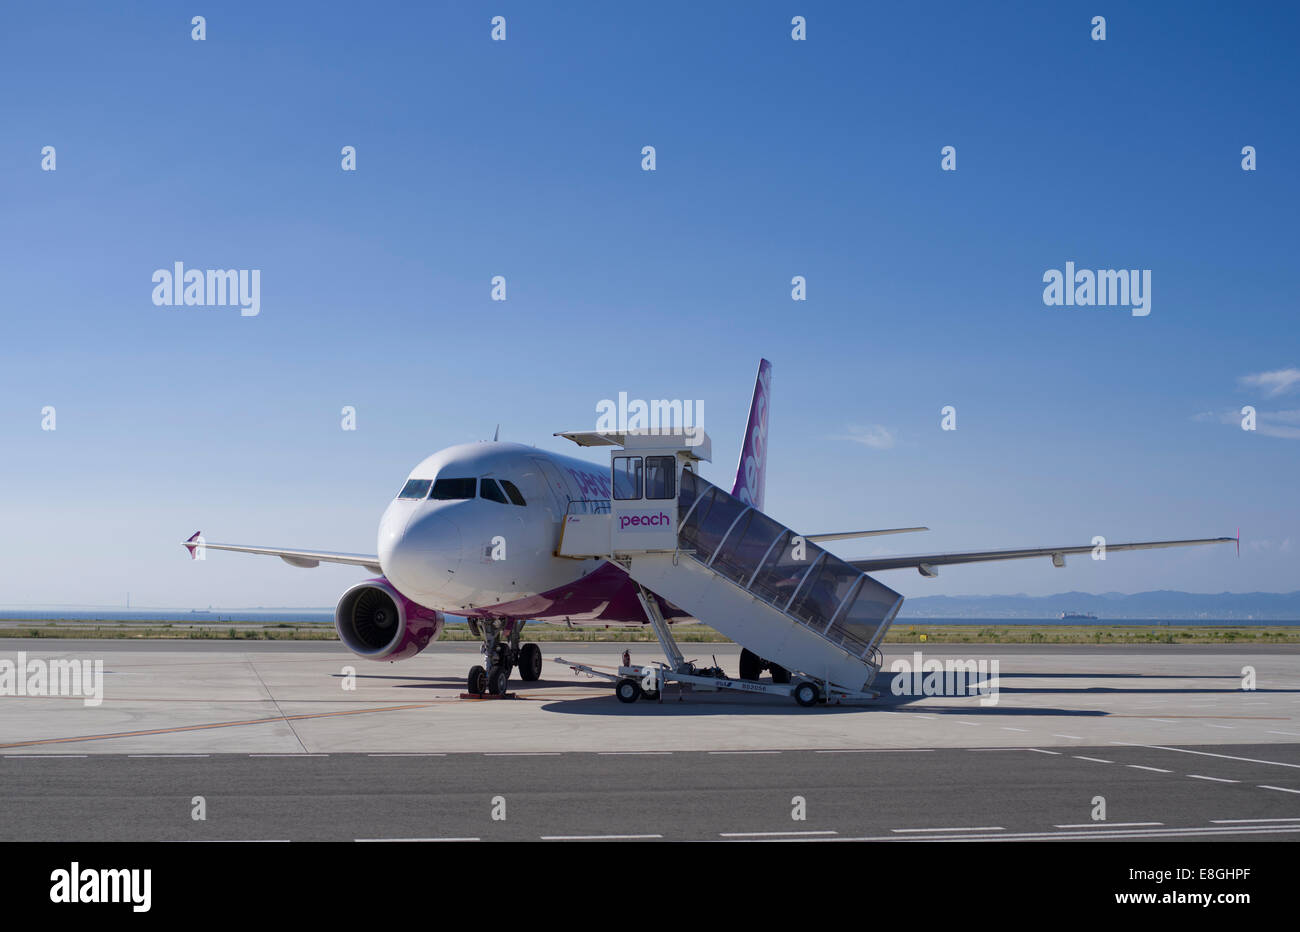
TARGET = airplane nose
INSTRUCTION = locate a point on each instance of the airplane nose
(421, 558)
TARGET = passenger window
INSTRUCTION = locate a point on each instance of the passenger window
(415, 488)
(450, 489)
(661, 477)
(488, 488)
(627, 477)
(513, 492)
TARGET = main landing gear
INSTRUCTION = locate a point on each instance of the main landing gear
(502, 653)
(752, 666)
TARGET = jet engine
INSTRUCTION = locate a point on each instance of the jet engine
(377, 622)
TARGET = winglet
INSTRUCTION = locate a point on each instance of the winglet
(192, 545)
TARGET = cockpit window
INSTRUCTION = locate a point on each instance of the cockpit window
(513, 492)
(447, 489)
(488, 488)
(415, 488)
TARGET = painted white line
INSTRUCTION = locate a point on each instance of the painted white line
(1074, 737)
(1009, 728)
(235, 841)
(1109, 824)
(1156, 769)
(1197, 776)
(873, 750)
(1280, 789)
(771, 834)
(973, 828)
(744, 752)
(163, 756)
(1041, 751)
(1163, 721)
(1211, 725)
(1247, 821)
(416, 839)
(972, 724)
(1227, 830)
(1293, 734)
(42, 756)
(595, 837)
(522, 754)
(407, 754)
(1095, 760)
(1249, 760)
(288, 755)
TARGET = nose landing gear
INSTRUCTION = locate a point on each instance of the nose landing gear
(502, 653)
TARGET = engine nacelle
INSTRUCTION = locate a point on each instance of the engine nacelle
(377, 622)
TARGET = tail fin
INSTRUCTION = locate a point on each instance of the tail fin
(751, 473)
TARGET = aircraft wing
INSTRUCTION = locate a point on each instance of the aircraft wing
(302, 558)
(927, 562)
(845, 535)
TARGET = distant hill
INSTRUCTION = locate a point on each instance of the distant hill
(1161, 604)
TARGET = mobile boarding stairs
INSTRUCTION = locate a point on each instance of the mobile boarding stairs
(732, 567)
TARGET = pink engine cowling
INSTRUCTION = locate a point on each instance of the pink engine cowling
(377, 622)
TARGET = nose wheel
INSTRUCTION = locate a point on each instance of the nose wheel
(502, 654)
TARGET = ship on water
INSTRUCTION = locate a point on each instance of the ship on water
(1077, 616)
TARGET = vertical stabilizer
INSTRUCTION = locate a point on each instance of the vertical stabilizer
(751, 473)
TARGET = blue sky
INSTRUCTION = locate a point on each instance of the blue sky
(522, 158)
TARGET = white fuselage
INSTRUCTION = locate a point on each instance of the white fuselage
(462, 554)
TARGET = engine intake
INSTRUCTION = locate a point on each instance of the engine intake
(377, 622)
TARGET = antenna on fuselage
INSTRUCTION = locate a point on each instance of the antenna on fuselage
(497, 434)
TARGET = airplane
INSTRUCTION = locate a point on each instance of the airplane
(475, 529)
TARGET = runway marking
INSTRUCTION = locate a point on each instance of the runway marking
(1226, 830)
(1095, 760)
(407, 754)
(1212, 725)
(1230, 821)
(1041, 751)
(872, 750)
(1249, 760)
(772, 834)
(973, 828)
(1293, 734)
(744, 752)
(595, 837)
(182, 728)
(1280, 789)
(972, 724)
(166, 755)
(1163, 721)
(290, 754)
(42, 756)
(521, 753)
(1075, 737)
(1009, 728)
(631, 753)
(233, 841)
(1156, 769)
(1109, 824)
(1197, 776)
(416, 839)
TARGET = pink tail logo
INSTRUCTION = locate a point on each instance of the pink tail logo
(751, 473)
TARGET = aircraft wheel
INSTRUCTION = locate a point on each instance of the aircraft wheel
(530, 663)
(807, 694)
(780, 674)
(628, 690)
(498, 680)
(477, 681)
(751, 665)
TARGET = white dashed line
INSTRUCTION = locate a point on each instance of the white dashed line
(1041, 751)
(42, 756)
(1280, 789)
(416, 839)
(1197, 776)
(973, 828)
(596, 837)
(1095, 760)
(1073, 737)
(1156, 769)
(1109, 825)
(1009, 728)
(1247, 821)
(771, 834)
(1249, 760)
(744, 752)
